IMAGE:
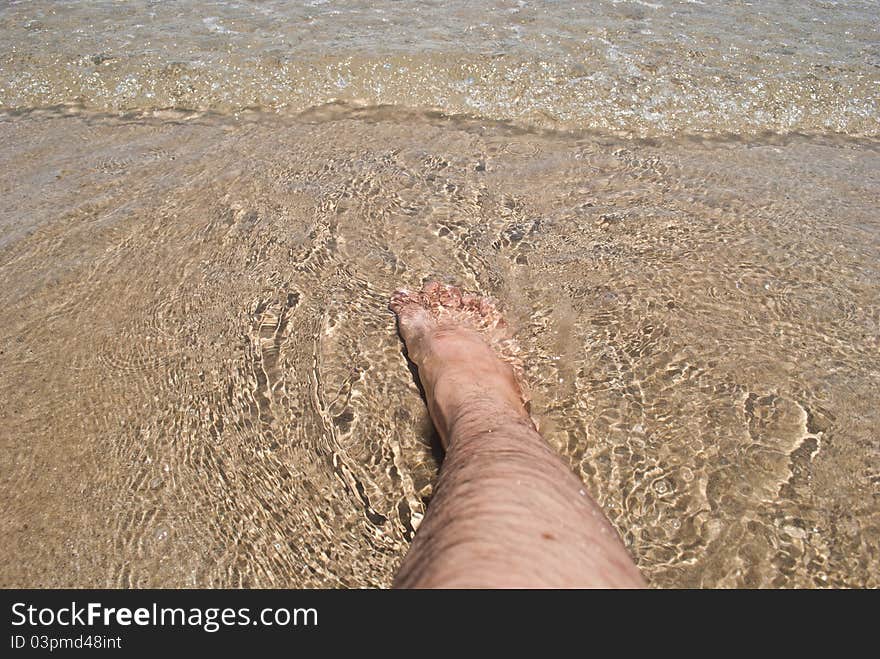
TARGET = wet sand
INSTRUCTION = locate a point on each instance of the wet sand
(201, 384)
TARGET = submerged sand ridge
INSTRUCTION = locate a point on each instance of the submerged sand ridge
(200, 384)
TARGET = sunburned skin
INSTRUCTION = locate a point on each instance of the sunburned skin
(506, 512)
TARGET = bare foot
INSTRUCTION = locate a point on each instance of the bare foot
(466, 357)
(507, 511)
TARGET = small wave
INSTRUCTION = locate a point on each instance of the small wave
(545, 94)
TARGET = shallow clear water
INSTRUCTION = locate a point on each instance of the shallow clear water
(200, 383)
(643, 67)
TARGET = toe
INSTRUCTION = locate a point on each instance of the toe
(400, 299)
(487, 307)
(470, 302)
(432, 289)
(451, 297)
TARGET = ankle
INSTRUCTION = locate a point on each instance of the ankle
(478, 413)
